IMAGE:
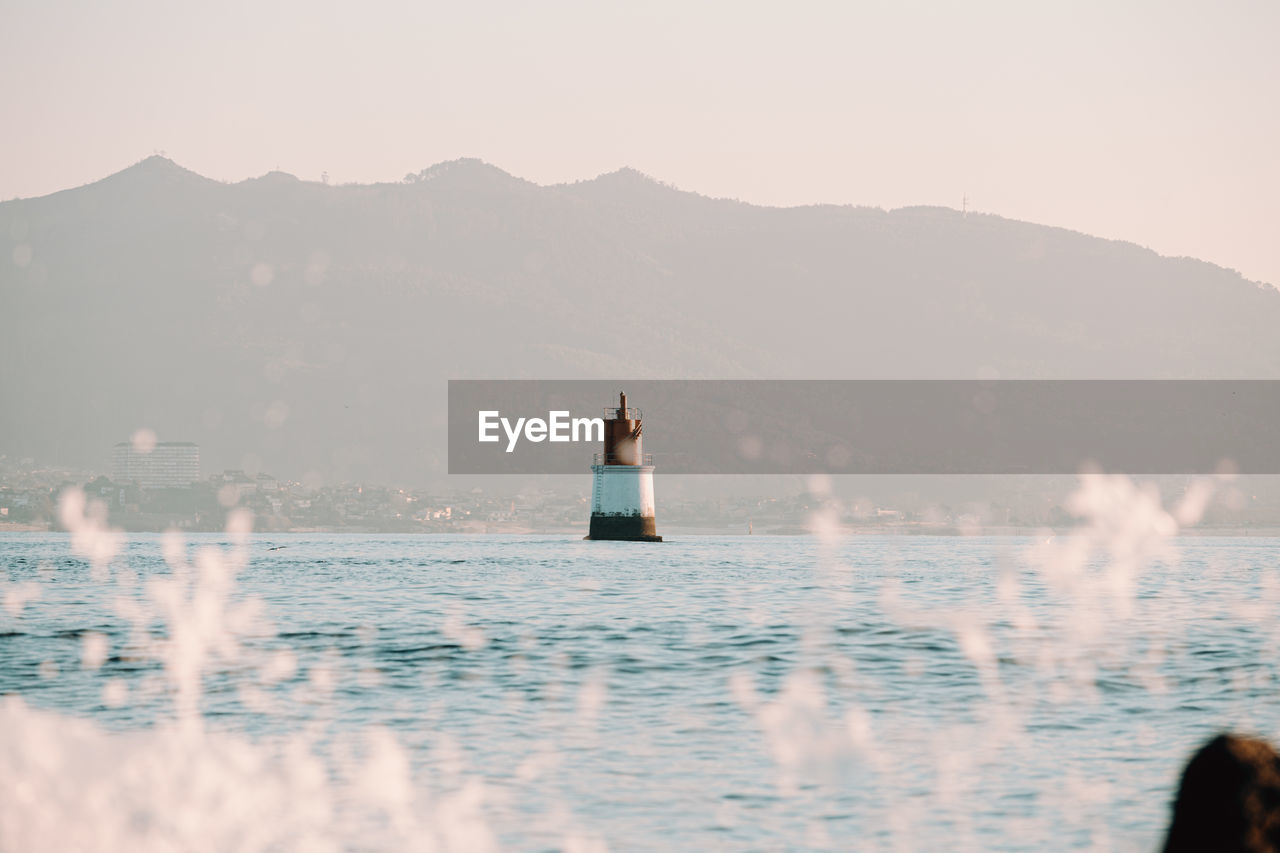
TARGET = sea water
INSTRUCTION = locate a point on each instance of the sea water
(541, 692)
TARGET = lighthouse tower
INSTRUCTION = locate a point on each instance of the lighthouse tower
(622, 481)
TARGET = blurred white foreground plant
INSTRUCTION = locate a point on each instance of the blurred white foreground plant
(1084, 584)
(68, 784)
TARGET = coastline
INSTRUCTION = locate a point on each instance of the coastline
(677, 530)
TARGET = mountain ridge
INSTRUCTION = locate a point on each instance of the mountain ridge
(159, 298)
(626, 177)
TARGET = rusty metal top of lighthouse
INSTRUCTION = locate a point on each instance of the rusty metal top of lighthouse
(622, 412)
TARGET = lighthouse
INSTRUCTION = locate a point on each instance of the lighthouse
(622, 481)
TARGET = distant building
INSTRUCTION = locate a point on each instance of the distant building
(169, 465)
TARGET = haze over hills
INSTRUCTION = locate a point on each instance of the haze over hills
(312, 327)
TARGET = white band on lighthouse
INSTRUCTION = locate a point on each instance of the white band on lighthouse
(622, 490)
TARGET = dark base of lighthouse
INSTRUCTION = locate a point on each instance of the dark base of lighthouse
(624, 528)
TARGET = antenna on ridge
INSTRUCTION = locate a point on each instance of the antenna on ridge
(964, 205)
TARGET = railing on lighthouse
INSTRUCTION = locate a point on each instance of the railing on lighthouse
(616, 459)
(622, 436)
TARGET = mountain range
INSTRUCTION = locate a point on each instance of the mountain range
(310, 329)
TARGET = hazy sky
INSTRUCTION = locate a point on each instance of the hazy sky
(1156, 122)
